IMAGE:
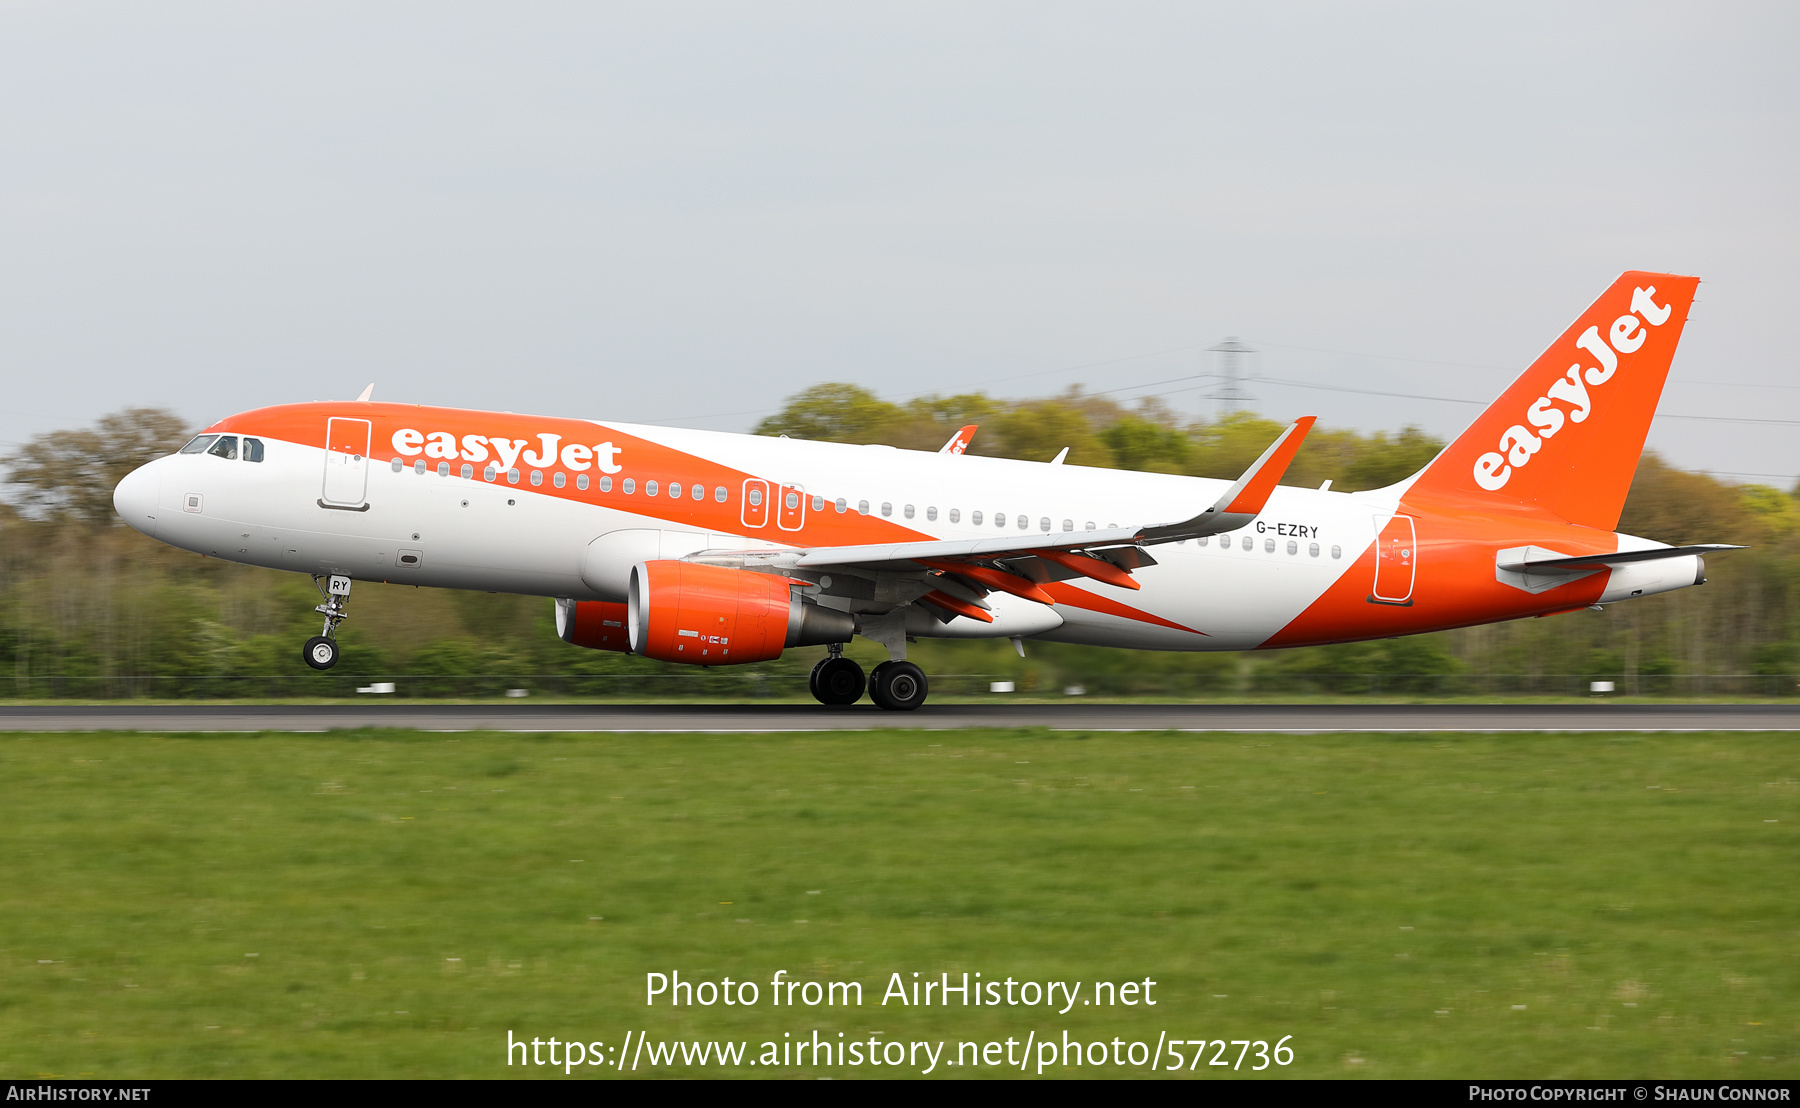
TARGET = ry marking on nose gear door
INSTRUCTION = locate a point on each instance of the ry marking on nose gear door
(1396, 556)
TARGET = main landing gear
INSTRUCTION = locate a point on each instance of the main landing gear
(896, 686)
(321, 651)
(836, 680)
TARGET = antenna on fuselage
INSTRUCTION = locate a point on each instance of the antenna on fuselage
(367, 392)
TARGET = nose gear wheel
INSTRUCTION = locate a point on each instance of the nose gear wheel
(321, 651)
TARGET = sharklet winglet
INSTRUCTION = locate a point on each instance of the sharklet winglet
(1245, 499)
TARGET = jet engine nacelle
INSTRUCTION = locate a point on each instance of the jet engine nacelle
(595, 624)
(717, 616)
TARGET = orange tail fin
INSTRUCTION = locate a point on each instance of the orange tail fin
(1567, 435)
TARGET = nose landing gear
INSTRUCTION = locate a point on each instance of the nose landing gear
(321, 651)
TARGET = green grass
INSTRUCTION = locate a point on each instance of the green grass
(1447, 905)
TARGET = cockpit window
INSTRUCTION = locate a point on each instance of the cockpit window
(253, 450)
(199, 445)
(226, 447)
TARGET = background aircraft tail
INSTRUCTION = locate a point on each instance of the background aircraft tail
(1566, 436)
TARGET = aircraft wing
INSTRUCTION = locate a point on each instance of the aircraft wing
(1240, 504)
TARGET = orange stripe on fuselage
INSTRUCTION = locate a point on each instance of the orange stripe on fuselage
(1064, 593)
(639, 459)
(1454, 583)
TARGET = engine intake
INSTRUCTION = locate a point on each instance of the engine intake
(717, 616)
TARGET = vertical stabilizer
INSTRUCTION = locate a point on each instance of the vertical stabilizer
(1567, 434)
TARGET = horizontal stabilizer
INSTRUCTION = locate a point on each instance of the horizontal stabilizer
(1522, 562)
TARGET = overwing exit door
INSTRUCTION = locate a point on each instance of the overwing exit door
(1396, 558)
(346, 464)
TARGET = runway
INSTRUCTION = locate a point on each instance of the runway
(759, 718)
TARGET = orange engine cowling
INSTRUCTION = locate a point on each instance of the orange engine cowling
(596, 624)
(716, 616)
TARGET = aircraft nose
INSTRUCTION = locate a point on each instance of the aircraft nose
(135, 499)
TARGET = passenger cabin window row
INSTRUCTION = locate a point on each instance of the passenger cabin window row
(1248, 542)
(225, 446)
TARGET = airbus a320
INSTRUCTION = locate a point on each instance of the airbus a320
(716, 549)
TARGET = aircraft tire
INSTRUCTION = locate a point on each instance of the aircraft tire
(898, 686)
(837, 682)
(320, 652)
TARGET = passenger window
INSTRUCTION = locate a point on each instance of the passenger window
(887, 508)
(1068, 525)
(1337, 552)
(698, 492)
(226, 447)
(1090, 526)
(1024, 522)
(487, 474)
(512, 476)
(606, 484)
(862, 507)
(756, 498)
(1293, 547)
(793, 501)
(1312, 550)
(842, 505)
(468, 471)
(818, 503)
(907, 511)
(1268, 546)
(1044, 525)
(253, 450)
(581, 482)
(999, 519)
(721, 495)
(419, 467)
(1203, 540)
(975, 519)
(630, 485)
(931, 513)
(397, 465)
(1249, 543)
(650, 488)
(956, 515)
(199, 445)
(443, 469)
(559, 479)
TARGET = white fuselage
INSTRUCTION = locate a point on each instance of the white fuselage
(1234, 591)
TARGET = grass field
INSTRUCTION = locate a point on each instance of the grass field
(385, 904)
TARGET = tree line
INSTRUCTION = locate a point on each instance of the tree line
(91, 607)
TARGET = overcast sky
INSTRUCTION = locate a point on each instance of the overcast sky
(685, 213)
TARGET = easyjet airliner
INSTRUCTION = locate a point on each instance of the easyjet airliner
(720, 549)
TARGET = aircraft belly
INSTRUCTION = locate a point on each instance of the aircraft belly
(1231, 601)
